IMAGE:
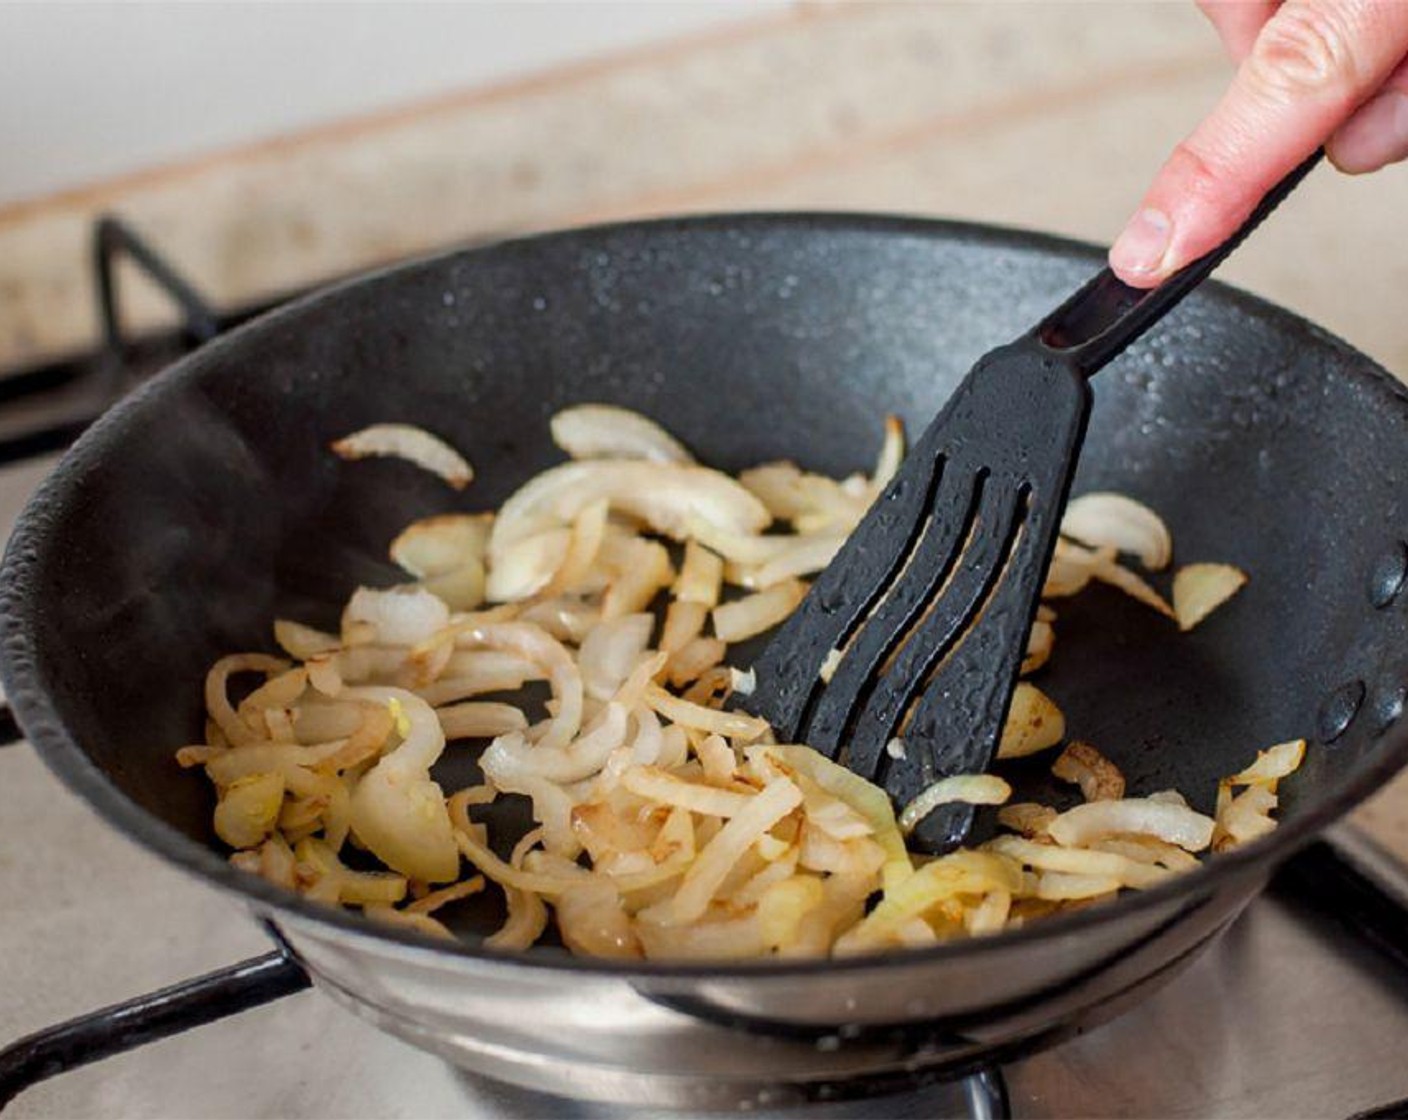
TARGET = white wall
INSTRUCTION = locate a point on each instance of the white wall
(90, 90)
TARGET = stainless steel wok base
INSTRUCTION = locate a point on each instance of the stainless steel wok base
(609, 1040)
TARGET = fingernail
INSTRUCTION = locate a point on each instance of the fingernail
(1141, 247)
(1375, 136)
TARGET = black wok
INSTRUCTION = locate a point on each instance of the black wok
(208, 504)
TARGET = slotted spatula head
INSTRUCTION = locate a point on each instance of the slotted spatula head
(930, 601)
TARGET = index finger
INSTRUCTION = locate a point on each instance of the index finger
(1312, 65)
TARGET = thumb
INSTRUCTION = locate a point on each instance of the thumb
(1311, 66)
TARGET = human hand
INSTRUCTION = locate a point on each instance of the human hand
(1310, 72)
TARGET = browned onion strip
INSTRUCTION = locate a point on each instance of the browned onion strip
(1099, 778)
(747, 617)
(405, 441)
(217, 698)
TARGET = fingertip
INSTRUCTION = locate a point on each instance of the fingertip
(1140, 255)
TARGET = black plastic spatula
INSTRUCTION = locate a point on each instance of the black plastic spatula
(930, 600)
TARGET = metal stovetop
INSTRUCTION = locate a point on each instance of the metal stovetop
(1288, 1015)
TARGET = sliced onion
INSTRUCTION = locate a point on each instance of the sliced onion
(1199, 589)
(972, 789)
(696, 844)
(217, 697)
(810, 501)
(604, 431)
(567, 618)
(397, 617)
(751, 615)
(697, 657)
(583, 545)
(435, 545)
(742, 551)
(660, 786)
(1147, 849)
(526, 566)
(1174, 823)
(1117, 521)
(580, 759)
(416, 445)
(733, 725)
(964, 872)
(632, 691)
(701, 575)
(714, 940)
(868, 799)
(684, 621)
(480, 720)
(468, 683)
(303, 642)
(1061, 886)
(505, 763)
(824, 853)
(1081, 764)
(279, 692)
(718, 760)
(344, 885)
(1072, 568)
(1246, 817)
(648, 740)
(611, 650)
(645, 571)
(492, 663)
(397, 811)
(709, 869)
(1034, 723)
(891, 454)
(806, 556)
(592, 921)
(1078, 861)
(248, 810)
(1271, 765)
(505, 874)
(532, 642)
(1040, 643)
(1027, 818)
(460, 589)
(990, 915)
(1108, 571)
(664, 496)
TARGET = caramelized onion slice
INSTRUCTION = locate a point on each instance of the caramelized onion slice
(665, 497)
(1034, 723)
(406, 441)
(1176, 824)
(606, 431)
(1199, 589)
(435, 545)
(1105, 519)
(974, 789)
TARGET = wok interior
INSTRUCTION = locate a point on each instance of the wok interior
(192, 520)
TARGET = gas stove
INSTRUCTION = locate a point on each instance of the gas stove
(1300, 1009)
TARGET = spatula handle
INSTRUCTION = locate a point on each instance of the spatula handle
(1092, 327)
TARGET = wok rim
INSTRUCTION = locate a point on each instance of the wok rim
(26, 690)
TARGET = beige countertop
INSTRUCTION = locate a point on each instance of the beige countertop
(1045, 115)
